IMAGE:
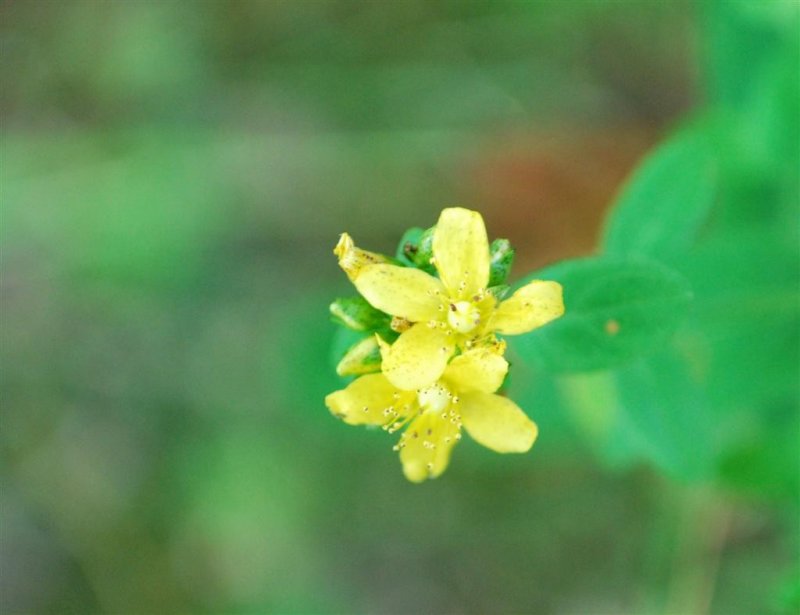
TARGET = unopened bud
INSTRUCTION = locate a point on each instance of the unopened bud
(416, 248)
(502, 256)
(355, 313)
(362, 358)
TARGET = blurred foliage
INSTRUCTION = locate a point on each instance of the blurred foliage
(173, 176)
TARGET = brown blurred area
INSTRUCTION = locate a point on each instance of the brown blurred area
(548, 193)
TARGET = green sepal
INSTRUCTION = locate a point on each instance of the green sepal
(506, 381)
(388, 334)
(667, 201)
(356, 314)
(502, 257)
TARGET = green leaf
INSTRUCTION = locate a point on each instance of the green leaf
(744, 39)
(745, 317)
(652, 410)
(615, 310)
(664, 415)
(765, 463)
(667, 200)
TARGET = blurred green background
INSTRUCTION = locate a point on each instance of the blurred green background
(174, 177)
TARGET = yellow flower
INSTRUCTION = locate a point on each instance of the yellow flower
(434, 416)
(452, 311)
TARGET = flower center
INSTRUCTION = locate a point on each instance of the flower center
(463, 316)
(435, 398)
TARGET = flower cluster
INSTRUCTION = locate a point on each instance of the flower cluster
(431, 358)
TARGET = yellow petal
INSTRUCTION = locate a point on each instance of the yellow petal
(418, 357)
(481, 369)
(426, 446)
(496, 422)
(353, 259)
(532, 306)
(401, 291)
(461, 252)
(384, 346)
(369, 400)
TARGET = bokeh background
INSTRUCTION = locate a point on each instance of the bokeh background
(174, 177)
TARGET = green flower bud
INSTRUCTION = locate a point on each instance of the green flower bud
(363, 357)
(502, 256)
(409, 245)
(355, 313)
(416, 249)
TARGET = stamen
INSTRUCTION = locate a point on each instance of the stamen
(396, 423)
